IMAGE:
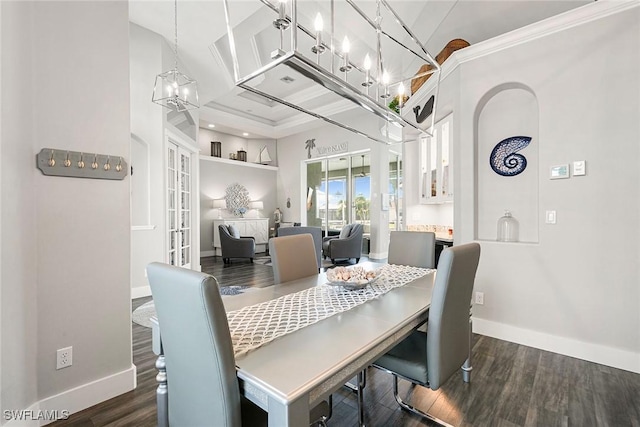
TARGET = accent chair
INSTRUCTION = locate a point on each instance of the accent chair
(346, 245)
(234, 246)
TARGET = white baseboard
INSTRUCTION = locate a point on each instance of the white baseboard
(378, 255)
(75, 400)
(604, 355)
(140, 291)
(207, 253)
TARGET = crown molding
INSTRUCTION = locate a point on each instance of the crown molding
(570, 19)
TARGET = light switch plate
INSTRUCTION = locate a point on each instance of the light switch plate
(579, 168)
(550, 217)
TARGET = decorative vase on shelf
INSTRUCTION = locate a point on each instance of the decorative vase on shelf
(216, 149)
(507, 228)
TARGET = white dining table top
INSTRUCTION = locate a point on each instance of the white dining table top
(296, 365)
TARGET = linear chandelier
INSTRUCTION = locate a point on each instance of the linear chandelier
(366, 58)
(173, 89)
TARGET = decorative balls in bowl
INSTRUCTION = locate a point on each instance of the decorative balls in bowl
(352, 278)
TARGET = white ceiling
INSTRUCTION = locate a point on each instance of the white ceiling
(203, 47)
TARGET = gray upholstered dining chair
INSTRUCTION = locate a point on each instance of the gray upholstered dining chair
(293, 257)
(233, 245)
(430, 359)
(414, 248)
(201, 370)
(316, 233)
(346, 245)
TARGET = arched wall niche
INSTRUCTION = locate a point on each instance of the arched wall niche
(507, 110)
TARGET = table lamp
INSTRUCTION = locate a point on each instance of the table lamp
(257, 205)
(219, 204)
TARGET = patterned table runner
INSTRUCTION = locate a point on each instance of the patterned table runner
(256, 325)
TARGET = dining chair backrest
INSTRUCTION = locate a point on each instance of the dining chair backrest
(414, 248)
(448, 326)
(201, 372)
(316, 233)
(293, 257)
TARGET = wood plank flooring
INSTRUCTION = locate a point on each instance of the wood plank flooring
(511, 385)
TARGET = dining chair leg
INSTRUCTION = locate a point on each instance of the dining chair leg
(467, 368)
(362, 382)
(404, 405)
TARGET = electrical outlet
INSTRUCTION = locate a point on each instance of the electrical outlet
(64, 357)
(479, 298)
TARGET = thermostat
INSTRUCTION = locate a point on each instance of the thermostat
(559, 172)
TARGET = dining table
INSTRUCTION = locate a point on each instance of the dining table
(301, 365)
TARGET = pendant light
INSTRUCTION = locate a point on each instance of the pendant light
(173, 89)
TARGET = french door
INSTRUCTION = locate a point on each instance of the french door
(178, 206)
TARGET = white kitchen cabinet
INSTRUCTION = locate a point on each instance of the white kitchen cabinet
(436, 164)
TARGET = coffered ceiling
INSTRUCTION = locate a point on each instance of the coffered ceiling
(204, 48)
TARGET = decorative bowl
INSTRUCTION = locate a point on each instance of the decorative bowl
(351, 278)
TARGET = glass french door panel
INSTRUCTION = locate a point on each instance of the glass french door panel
(185, 208)
(171, 206)
(336, 189)
(179, 206)
(361, 190)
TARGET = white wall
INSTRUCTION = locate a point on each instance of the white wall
(18, 237)
(147, 243)
(576, 292)
(215, 177)
(65, 241)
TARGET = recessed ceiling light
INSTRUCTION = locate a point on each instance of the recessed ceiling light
(245, 134)
(212, 126)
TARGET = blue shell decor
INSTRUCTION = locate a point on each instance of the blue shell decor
(504, 160)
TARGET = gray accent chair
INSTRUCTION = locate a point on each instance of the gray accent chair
(234, 246)
(430, 358)
(316, 233)
(293, 257)
(201, 371)
(414, 248)
(347, 245)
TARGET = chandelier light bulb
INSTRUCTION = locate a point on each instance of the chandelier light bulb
(318, 25)
(400, 95)
(385, 83)
(367, 72)
(282, 7)
(346, 46)
(367, 62)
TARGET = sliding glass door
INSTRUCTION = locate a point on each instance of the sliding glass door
(339, 192)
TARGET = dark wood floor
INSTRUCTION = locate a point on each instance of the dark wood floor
(512, 385)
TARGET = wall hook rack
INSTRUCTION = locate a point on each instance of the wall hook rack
(71, 164)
